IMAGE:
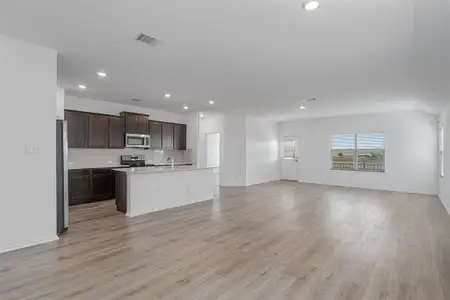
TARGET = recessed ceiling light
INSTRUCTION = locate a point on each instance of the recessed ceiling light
(82, 86)
(185, 107)
(102, 74)
(211, 102)
(167, 95)
(202, 116)
(302, 107)
(311, 5)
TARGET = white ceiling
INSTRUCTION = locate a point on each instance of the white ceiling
(260, 57)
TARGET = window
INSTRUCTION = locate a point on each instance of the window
(441, 150)
(289, 148)
(343, 151)
(358, 152)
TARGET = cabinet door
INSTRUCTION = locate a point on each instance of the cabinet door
(179, 139)
(141, 124)
(155, 130)
(102, 187)
(116, 134)
(79, 189)
(167, 136)
(77, 129)
(98, 131)
(130, 124)
(135, 124)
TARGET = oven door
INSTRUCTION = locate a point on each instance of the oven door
(137, 141)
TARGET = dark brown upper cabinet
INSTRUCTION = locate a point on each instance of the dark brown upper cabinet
(167, 135)
(155, 130)
(89, 130)
(116, 133)
(135, 123)
(98, 131)
(77, 128)
(179, 137)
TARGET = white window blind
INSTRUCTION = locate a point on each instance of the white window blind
(370, 148)
(360, 152)
(343, 151)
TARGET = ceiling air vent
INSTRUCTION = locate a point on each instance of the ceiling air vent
(136, 100)
(146, 39)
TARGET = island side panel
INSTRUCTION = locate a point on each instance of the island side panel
(121, 192)
(159, 191)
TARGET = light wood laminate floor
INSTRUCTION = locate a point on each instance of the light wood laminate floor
(281, 240)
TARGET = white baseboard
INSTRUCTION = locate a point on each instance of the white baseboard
(31, 244)
(447, 207)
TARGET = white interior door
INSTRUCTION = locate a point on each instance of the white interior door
(289, 167)
(213, 153)
(213, 150)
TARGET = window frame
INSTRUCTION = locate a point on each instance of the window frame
(356, 154)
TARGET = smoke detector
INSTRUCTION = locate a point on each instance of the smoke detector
(147, 39)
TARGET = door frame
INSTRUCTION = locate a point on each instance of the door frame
(296, 159)
(206, 148)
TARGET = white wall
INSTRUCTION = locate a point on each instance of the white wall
(249, 148)
(192, 135)
(28, 96)
(211, 123)
(233, 162)
(411, 151)
(262, 151)
(213, 150)
(60, 103)
(444, 183)
(110, 108)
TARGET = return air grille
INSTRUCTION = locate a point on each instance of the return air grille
(147, 39)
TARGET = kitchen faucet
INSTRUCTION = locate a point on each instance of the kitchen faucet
(171, 161)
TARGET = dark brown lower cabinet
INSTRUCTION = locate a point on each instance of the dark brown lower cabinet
(90, 185)
(79, 188)
(102, 185)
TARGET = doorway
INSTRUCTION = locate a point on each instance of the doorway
(213, 153)
(289, 167)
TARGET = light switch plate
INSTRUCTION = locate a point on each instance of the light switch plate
(32, 149)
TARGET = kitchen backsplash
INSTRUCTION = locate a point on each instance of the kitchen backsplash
(93, 158)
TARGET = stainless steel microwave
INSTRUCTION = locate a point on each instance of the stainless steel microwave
(137, 140)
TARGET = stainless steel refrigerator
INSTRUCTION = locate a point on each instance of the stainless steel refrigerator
(62, 186)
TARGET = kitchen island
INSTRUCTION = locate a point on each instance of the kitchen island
(148, 189)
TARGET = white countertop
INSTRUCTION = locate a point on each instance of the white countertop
(148, 170)
(75, 166)
(92, 166)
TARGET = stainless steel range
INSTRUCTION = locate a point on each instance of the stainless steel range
(134, 161)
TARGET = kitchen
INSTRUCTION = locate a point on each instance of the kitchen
(100, 145)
